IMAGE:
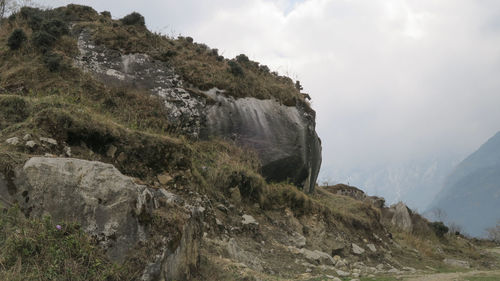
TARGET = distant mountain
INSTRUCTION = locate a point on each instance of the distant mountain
(414, 182)
(471, 193)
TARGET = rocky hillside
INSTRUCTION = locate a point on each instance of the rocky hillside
(127, 155)
(471, 194)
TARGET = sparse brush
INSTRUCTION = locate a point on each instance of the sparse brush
(48, 250)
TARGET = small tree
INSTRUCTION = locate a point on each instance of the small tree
(16, 39)
(494, 232)
(298, 86)
(439, 228)
(235, 68)
(242, 58)
(134, 19)
(455, 229)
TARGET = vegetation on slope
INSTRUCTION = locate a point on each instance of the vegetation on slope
(41, 249)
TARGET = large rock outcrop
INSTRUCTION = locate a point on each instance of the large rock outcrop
(113, 209)
(401, 217)
(283, 136)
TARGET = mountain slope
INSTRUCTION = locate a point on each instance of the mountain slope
(471, 194)
(133, 193)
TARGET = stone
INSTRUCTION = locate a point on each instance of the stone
(401, 217)
(30, 144)
(457, 263)
(249, 220)
(121, 157)
(13, 141)
(411, 269)
(325, 258)
(27, 137)
(164, 178)
(342, 273)
(48, 141)
(355, 274)
(222, 208)
(235, 194)
(239, 254)
(111, 208)
(296, 239)
(341, 264)
(371, 247)
(96, 195)
(317, 256)
(283, 136)
(357, 250)
(111, 151)
(67, 151)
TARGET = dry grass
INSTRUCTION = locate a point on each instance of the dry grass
(36, 250)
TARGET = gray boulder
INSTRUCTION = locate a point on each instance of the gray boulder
(107, 204)
(110, 207)
(401, 217)
(283, 136)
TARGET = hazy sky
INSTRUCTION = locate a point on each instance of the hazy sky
(391, 80)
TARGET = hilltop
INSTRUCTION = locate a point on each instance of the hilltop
(129, 155)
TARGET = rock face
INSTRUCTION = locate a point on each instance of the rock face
(283, 136)
(109, 206)
(401, 217)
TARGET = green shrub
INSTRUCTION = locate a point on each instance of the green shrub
(439, 228)
(43, 40)
(251, 185)
(33, 16)
(134, 19)
(16, 39)
(235, 68)
(189, 39)
(264, 68)
(13, 109)
(242, 58)
(53, 61)
(106, 14)
(168, 54)
(55, 27)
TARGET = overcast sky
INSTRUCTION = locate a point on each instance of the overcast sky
(391, 80)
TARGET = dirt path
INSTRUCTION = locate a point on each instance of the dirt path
(458, 276)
